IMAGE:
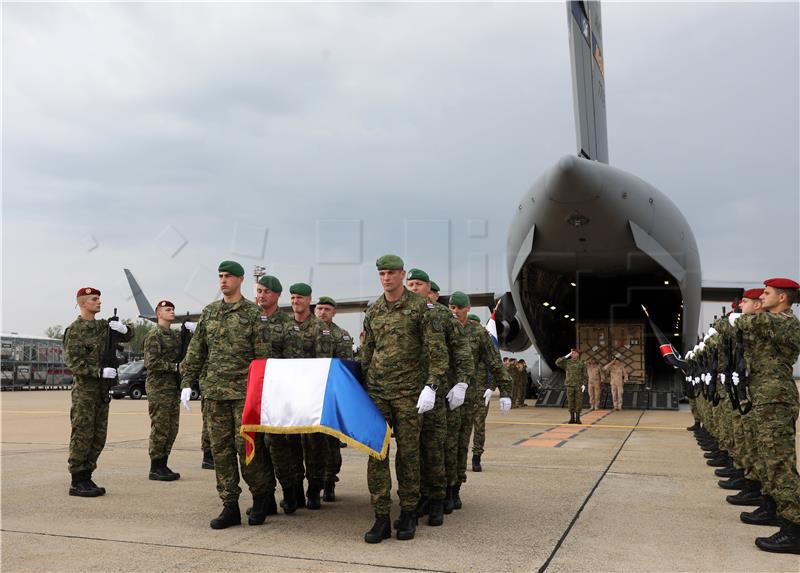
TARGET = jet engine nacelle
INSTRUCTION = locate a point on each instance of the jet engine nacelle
(510, 334)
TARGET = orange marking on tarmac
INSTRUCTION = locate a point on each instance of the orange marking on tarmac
(537, 443)
(559, 435)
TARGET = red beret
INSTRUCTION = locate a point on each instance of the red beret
(87, 291)
(782, 283)
(164, 304)
(753, 293)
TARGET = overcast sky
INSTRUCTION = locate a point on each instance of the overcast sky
(313, 138)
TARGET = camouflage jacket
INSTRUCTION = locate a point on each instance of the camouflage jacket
(486, 357)
(228, 337)
(342, 342)
(773, 345)
(461, 367)
(84, 343)
(311, 338)
(404, 347)
(277, 324)
(576, 370)
(162, 348)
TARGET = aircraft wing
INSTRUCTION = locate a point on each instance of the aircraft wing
(146, 309)
(720, 293)
(486, 299)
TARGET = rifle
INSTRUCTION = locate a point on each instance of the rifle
(728, 351)
(186, 338)
(741, 389)
(109, 358)
(713, 367)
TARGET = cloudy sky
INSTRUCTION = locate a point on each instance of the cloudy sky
(313, 138)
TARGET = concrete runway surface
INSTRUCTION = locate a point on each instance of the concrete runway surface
(630, 492)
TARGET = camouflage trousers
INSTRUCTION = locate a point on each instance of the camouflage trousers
(574, 398)
(739, 445)
(464, 434)
(695, 413)
(163, 405)
(89, 418)
(205, 441)
(753, 465)
(479, 423)
(333, 458)
(518, 391)
(776, 426)
(451, 445)
(228, 449)
(433, 477)
(401, 415)
(296, 456)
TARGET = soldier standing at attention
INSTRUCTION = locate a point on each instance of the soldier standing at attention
(522, 382)
(84, 342)
(594, 374)
(481, 411)
(773, 337)
(162, 348)
(325, 310)
(400, 340)
(618, 375)
(575, 381)
(229, 335)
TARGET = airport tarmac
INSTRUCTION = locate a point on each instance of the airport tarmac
(627, 491)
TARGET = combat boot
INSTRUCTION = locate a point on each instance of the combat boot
(289, 503)
(81, 486)
(578, 418)
(436, 512)
(693, 428)
(711, 454)
(258, 512)
(329, 491)
(448, 500)
(728, 472)
(300, 494)
(407, 526)
(423, 506)
(208, 460)
(381, 529)
(787, 540)
(764, 514)
(272, 507)
(476, 463)
(457, 496)
(720, 461)
(313, 493)
(169, 471)
(750, 495)
(102, 490)
(158, 471)
(733, 483)
(230, 516)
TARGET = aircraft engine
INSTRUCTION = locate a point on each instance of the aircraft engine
(510, 332)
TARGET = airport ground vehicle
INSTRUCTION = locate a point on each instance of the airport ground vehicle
(132, 377)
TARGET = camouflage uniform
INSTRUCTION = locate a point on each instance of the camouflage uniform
(342, 348)
(520, 381)
(400, 339)
(617, 376)
(593, 373)
(162, 348)
(485, 356)
(228, 337)
(84, 342)
(774, 340)
(576, 377)
(481, 411)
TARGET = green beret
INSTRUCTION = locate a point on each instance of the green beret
(272, 283)
(327, 300)
(300, 288)
(231, 267)
(434, 287)
(459, 299)
(474, 317)
(417, 275)
(389, 263)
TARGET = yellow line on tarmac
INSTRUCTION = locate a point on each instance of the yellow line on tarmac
(609, 426)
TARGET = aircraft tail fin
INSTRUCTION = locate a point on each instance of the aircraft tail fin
(588, 79)
(144, 306)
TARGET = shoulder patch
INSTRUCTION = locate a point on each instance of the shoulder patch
(430, 305)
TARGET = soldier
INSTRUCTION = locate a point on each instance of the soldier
(618, 375)
(773, 337)
(484, 355)
(595, 377)
(404, 359)
(229, 335)
(481, 411)
(574, 384)
(522, 382)
(84, 342)
(162, 349)
(433, 295)
(205, 441)
(325, 310)
(438, 458)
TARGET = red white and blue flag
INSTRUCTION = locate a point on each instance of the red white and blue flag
(491, 328)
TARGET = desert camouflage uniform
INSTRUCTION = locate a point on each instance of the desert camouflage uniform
(162, 348)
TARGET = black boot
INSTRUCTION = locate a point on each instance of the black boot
(102, 490)
(272, 507)
(436, 512)
(300, 494)
(208, 460)
(258, 512)
(290, 503)
(728, 472)
(711, 454)
(381, 530)
(456, 496)
(158, 471)
(720, 461)
(787, 540)
(81, 486)
(448, 500)
(423, 505)
(750, 495)
(329, 491)
(694, 427)
(764, 514)
(169, 471)
(571, 418)
(733, 483)
(313, 493)
(578, 417)
(476, 463)
(230, 516)
(407, 526)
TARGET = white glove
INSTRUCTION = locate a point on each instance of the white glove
(108, 373)
(735, 378)
(505, 405)
(190, 326)
(118, 325)
(696, 380)
(689, 355)
(427, 399)
(583, 388)
(712, 331)
(702, 346)
(487, 396)
(186, 395)
(733, 317)
(722, 378)
(568, 354)
(455, 396)
(178, 367)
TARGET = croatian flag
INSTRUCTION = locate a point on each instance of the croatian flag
(305, 395)
(491, 328)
